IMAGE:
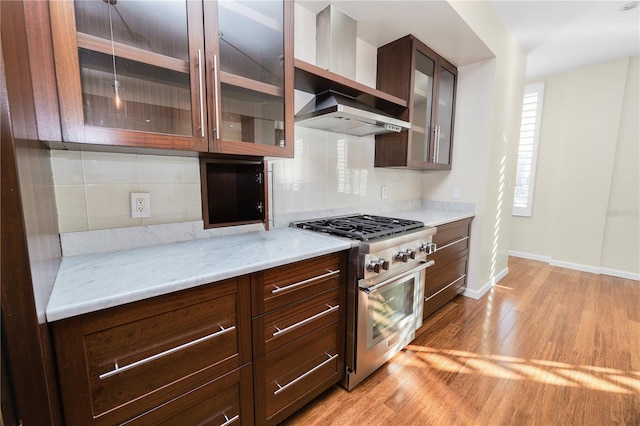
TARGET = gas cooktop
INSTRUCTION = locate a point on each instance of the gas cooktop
(360, 226)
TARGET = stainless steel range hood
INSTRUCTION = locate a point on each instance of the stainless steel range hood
(332, 111)
(338, 113)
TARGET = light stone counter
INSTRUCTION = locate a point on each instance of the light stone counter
(97, 281)
(90, 282)
(432, 217)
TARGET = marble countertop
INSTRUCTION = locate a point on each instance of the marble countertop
(97, 281)
(433, 217)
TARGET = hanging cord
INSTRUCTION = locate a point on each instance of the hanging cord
(116, 85)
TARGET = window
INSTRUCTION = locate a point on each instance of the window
(528, 149)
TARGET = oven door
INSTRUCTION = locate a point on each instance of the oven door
(389, 312)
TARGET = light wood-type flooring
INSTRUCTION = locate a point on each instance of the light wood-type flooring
(546, 346)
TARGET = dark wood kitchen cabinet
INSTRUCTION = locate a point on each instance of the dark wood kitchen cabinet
(298, 334)
(180, 75)
(409, 69)
(185, 356)
(448, 277)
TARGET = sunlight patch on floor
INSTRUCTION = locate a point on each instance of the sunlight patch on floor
(598, 378)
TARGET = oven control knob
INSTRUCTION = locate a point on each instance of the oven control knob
(428, 247)
(374, 266)
(403, 256)
(385, 264)
(411, 253)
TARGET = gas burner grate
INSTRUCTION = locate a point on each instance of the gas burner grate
(360, 227)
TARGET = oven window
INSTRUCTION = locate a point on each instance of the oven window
(389, 306)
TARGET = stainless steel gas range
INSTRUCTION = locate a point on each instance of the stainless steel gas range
(385, 288)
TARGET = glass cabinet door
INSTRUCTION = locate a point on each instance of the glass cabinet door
(444, 129)
(422, 108)
(251, 70)
(127, 72)
(135, 66)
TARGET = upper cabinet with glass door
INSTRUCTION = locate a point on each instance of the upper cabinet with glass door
(150, 74)
(130, 73)
(407, 68)
(251, 55)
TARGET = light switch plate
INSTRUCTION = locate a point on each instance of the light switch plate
(455, 193)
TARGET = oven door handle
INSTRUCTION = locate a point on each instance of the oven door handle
(422, 266)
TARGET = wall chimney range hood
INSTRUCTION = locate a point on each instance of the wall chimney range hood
(331, 110)
(338, 113)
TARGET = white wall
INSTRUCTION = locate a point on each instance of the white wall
(585, 206)
(621, 242)
(485, 148)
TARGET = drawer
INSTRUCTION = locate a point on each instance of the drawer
(453, 231)
(438, 279)
(277, 287)
(442, 298)
(444, 284)
(223, 401)
(141, 355)
(451, 239)
(284, 325)
(294, 374)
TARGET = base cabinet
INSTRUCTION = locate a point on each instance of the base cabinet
(149, 361)
(448, 277)
(198, 357)
(298, 329)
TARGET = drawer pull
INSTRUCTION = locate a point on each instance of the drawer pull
(117, 369)
(297, 379)
(452, 243)
(277, 289)
(228, 420)
(445, 287)
(305, 321)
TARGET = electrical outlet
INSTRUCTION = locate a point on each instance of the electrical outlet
(384, 193)
(140, 204)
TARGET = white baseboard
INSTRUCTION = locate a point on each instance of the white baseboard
(577, 266)
(477, 294)
(530, 256)
(620, 274)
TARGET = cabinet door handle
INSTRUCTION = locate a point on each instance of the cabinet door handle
(277, 289)
(306, 320)
(451, 243)
(215, 91)
(445, 287)
(437, 150)
(228, 421)
(117, 369)
(435, 142)
(297, 379)
(201, 93)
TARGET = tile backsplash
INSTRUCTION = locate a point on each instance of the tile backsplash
(329, 171)
(335, 171)
(93, 189)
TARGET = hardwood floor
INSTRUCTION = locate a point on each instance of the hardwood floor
(547, 346)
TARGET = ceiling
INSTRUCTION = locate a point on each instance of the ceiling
(560, 35)
(433, 22)
(557, 35)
